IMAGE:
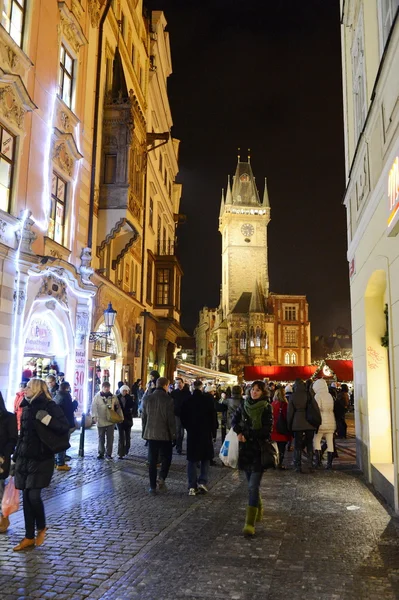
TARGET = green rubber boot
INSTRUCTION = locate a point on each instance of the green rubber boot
(249, 528)
(259, 514)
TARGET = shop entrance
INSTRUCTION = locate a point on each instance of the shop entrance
(108, 365)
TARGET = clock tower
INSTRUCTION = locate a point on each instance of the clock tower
(243, 224)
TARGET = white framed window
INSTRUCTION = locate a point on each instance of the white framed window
(57, 215)
(13, 19)
(7, 159)
(386, 15)
(66, 76)
(359, 78)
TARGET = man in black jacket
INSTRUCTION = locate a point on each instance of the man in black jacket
(8, 441)
(198, 417)
(64, 399)
(179, 394)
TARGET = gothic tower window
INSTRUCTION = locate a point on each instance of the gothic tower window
(287, 358)
(243, 340)
(266, 341)
(258, 336)
(293, 358)
(252, 337)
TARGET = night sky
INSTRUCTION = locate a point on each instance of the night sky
(264, 75)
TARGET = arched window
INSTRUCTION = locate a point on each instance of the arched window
(252, 337)
(287, 358)
(293, 358)
(258, 336)
(266, 341)
(243, 340)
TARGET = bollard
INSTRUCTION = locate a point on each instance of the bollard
(82, 436)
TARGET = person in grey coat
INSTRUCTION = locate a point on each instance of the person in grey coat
(233, 403)
(297, 423)
(159, 429)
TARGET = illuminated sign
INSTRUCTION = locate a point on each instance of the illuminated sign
(40, 338)
(393, 196)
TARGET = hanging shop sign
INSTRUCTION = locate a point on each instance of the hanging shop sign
(40, 338)
(393, 199)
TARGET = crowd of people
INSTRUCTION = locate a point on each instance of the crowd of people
(266, 417)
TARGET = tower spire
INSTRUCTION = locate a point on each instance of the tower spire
(266, 203)
(222, 204)
(228, 192)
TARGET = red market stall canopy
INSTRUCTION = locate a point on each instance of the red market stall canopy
(280, 373)
(343, 369)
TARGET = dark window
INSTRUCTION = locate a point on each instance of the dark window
(165, 177)
(13, 18)
(178, 287)
(7, 150)
(110, 168)
(149, 281)
(65, 83)
(151, 213)
(160, 161)
(57, 215)
(170, 190)
(290, 313)
(163, 286)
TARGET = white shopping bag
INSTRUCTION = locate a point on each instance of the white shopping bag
(229, 451)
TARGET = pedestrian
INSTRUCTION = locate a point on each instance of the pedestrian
(210, 390)
(52, 385)
(103, 402)
(280, 409)
(118, 390)
(179, 395)
(233, 402)
(63, 399)
(34, 459)
(328, 425)
(253, 422)
(159, 429)
(340, 406)
(134, 389)
(198, 418)
(8, 441)
(298, 424)
(126, 403)
(19, 397)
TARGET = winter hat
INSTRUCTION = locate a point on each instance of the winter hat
(320, 385)
(123, 388)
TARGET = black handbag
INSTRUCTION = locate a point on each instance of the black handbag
(268, 455)
(281, 425)
(313, 415)
(55, 442)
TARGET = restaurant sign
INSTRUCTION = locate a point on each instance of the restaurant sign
(40, 338)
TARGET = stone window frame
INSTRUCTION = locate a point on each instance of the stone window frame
(163, 284)
(243, 340)
(63, 71)
(287, 358)
(11, 162)
(55, 201)
(290, 312)
(21, 5)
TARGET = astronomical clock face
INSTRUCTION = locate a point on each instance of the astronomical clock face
(247, 229)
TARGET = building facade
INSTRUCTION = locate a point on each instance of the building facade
(82, 106)
(370, 62)
(251, 327)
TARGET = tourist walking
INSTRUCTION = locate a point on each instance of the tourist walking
(299, 425)
(8, 441)
(63, 399)
(52, 385)
(328, 425)
(253, 422)
(179, 395)
(34, 458)
(341, 405)
(280, 409)
(103, 402)
(233, 402)
(159, 429)
(127, 405)
(198, 418)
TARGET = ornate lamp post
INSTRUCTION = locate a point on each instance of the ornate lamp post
(109, 320)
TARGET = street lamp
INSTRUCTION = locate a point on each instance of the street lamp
(109, 320)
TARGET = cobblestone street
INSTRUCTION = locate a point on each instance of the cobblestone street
(324, 536)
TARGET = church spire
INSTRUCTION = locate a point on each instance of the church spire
(228, 192)
(266, 203)
(244, 191)
(222, 204)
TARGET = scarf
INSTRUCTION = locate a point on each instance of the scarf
(254, 409)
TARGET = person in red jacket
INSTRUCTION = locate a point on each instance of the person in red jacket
(280, 407)
(19, 396)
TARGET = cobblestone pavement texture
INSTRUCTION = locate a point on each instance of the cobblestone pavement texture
(325, 536)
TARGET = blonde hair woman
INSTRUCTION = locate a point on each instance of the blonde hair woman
(34, 460)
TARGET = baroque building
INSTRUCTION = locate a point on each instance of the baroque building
(370, 66)
(252, 326)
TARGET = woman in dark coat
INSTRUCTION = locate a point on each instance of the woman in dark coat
(8, 440)
(127, 405)
(280, 407)
(34, 461)
(198, 418)
(253, 423)
(298, 424)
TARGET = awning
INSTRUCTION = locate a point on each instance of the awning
(194, 371)
(279, 373)
(343, 369)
